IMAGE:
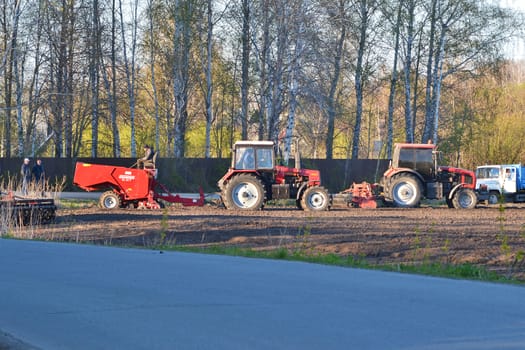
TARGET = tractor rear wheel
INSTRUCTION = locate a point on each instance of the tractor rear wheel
(244, 192)
(405, 191)
(109, 200)
(315, 199)
(465, 198)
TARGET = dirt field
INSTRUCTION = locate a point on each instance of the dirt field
(485, 236)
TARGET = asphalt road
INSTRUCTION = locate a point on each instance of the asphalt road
(65, 296)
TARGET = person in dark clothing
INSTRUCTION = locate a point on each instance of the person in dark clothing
(39, 175)
(25, 171)
(149, 152)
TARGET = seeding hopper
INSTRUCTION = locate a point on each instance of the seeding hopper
(127, 187)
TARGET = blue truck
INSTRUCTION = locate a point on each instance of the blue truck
(497, 183)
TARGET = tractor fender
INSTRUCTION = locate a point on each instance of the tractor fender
(232, 173)
(301, 190)
(390, 173)
(454, 190)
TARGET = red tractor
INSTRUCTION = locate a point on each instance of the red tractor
(253, 179)
(414, 174)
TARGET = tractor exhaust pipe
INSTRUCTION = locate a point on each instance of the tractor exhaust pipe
(297, 156)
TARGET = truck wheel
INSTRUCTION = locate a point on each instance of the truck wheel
(493, 198)
(315, 199)
(244, 192)
(465, 198)
(406, 191)
(109, 200)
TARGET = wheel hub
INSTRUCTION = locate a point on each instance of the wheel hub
(245, 195)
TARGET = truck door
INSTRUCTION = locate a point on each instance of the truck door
(509, 180)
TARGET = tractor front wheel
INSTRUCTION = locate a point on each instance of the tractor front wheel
(109, 200)
(244, 192)
(405, 191)
(465, 199)
(315, 199)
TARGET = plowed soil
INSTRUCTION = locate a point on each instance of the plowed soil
(489, 236)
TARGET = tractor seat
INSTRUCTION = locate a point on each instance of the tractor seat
(150, 164)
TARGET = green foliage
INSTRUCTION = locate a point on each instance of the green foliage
(495, 135)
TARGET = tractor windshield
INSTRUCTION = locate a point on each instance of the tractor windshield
(250, 158)
(244, 158)
(264, 158)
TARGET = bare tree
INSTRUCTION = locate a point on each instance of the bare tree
(393, 83)
(94, 76)
(130, 68)
(365, 10)
(182, 43)
(151, 37)
(298, 31)
(8, 19)
(245, 79)
(338, 19)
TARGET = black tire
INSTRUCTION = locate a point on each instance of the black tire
(109, 200)
(243, 192)
(405, 191)
(315, 199)
(449, 202)
(465, 198)
(493, 198)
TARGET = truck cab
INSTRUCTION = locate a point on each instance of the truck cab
(506, 181)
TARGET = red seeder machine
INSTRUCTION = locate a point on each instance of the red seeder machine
(128, 187)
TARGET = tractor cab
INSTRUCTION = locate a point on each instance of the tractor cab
(420, 158)
(253, 155)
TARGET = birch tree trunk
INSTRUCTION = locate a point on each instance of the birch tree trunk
(264, 77)
(393, 83)
(245, 67)
(112, 92)
(152, 71)
(427, 131)
(7, 72)
(68, 78)
(130, 71)
(17, 66)
(94, 77)
(277, 77)
(209, 82)
(363, 27)
(295, 72)
(181, 47)
(438, 74)
(409, 127)
(335, 80)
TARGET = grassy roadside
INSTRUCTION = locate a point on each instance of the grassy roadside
(463, 271)
(301, 250)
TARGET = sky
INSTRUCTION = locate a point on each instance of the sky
(516, 49)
